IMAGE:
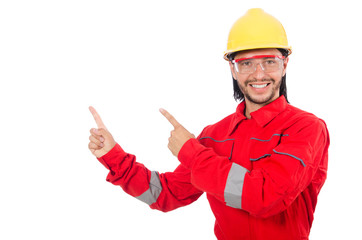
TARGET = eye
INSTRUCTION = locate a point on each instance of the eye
(270, 61)
(245, 63)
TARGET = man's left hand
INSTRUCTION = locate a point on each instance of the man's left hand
(178, 136)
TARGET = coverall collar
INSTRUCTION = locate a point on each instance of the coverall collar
(262, 116)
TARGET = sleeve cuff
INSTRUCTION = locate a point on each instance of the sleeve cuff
(188, 152)
(111, 158)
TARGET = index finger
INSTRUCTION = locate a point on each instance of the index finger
(97, 118)
(170, 118)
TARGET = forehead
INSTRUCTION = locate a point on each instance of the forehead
(255, 52)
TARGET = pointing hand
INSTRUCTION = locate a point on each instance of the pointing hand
(101, 140)
(178, 136)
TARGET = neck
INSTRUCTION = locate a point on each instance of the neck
(251, 107)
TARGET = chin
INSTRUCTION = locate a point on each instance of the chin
(262, 100)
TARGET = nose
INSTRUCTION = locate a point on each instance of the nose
(259, 72)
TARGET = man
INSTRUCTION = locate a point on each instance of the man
(261, 167)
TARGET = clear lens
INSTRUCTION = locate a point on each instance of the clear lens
(268, 64)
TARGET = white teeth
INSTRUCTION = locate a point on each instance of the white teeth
(259, 86)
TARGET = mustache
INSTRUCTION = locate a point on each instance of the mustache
(263, 80)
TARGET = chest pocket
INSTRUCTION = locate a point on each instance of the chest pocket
(263, 147)
(221, 147)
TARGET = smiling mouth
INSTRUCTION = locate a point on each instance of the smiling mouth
(259, 85)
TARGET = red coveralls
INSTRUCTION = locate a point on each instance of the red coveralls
(262, 175)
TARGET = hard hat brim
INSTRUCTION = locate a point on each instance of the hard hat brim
(231, 51)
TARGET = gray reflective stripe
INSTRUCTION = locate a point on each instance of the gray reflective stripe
(151, 195)
(234, 186)
(268, 140)
(290, 155)
(230, 139)
(256, 159)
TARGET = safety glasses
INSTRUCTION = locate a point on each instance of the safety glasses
(268, 63)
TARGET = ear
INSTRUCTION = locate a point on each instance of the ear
(285, 64)
(232, 68)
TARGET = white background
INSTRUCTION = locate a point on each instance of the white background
(128, 59)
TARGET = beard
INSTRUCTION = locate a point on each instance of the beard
(261, 100)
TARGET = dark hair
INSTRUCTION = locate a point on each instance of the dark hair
(238, 95)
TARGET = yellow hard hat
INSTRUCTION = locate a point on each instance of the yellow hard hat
(256, 29)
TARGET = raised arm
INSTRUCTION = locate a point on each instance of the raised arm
(165, 192)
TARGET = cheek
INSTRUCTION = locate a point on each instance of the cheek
(241, 81)
(277, 83)
(277, 77)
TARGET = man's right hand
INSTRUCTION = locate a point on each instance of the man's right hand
(101, 140)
